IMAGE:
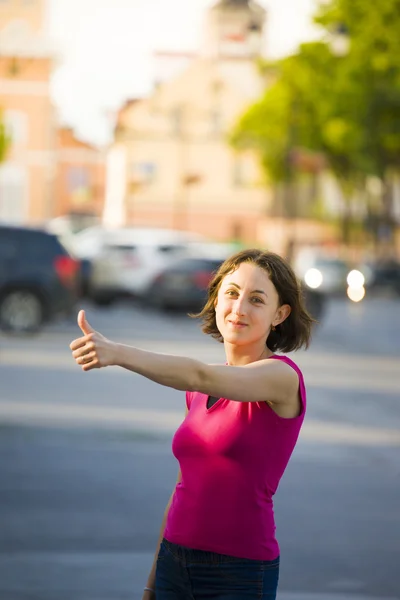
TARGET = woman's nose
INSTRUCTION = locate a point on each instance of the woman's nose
(238, 307)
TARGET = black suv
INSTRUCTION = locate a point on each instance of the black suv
(39, 279)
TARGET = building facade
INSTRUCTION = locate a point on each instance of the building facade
(26, 64)
(80, 177)
(47, 172)
(171, 163)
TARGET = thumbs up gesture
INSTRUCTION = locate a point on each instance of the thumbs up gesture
(93, 350)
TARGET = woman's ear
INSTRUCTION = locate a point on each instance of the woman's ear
(281, 314)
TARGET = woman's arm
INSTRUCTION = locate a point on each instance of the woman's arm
(266, 380)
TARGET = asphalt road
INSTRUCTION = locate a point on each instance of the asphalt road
(86, 466)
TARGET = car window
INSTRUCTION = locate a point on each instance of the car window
(171, 248)
(196, 263)
(330, 264)
(120, 248)
(188, 263)
(8, 245)
(35, 245)
(88, 243)
(215, 265)
(42, 246)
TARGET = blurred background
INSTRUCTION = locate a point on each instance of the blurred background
(141, 143)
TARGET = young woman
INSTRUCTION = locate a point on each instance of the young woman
(217, 539)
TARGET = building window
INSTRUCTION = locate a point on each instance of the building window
(13, 193)
(244, 171)
(238, 172)
(142, 173)
(77, 178)
(78, 185)
(216, 122)
(177, 120)
(16, 122)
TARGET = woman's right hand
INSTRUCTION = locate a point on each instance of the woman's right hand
(93, 350)
(148, 595)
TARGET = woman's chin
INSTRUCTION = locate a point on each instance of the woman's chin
(233, 337)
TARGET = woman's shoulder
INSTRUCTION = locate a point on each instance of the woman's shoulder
(285, 359)
(290, 362)
(302, 386)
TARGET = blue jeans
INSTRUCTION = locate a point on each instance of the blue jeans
(185, 574)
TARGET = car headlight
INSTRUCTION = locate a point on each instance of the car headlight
(313, 278)
(355, 279)
(356, 294)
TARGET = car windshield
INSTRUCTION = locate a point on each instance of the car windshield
(199, 263)
(330, 264)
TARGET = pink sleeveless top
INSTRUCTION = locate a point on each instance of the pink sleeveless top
(232, 457)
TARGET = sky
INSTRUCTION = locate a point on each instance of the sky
(105, 50)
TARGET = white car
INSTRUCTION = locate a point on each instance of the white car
(125, 260)
(329, 275)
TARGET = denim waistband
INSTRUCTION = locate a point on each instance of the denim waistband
(190, 555)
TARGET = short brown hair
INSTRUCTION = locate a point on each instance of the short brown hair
(295, 331)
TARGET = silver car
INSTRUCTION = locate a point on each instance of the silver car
(125, 260)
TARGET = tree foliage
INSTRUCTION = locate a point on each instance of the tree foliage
(371, 73)
(5, 140)
(346, 107)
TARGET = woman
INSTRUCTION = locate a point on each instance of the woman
(217, 539)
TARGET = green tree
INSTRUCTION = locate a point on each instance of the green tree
(296, 114)
(5, 140)
(372, 67)
(346, 107)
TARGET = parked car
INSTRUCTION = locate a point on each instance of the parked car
(38, 278)
(329, 276)
(321, 279)
(183, 284)
(315, 302)
(84, 270)
(382, 276)
(124, 261)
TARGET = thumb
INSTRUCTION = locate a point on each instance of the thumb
(83, 324)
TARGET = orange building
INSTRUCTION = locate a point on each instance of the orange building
(47, 172)
(26, 63)
(80, 176)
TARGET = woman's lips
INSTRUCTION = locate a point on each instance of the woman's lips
(237, 324)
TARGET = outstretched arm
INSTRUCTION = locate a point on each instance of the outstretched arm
(267, 380)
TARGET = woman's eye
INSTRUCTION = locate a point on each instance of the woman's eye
(257, 300)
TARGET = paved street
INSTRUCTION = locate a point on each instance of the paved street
(86, 466)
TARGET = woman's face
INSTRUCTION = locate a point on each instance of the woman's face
(247, 306)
